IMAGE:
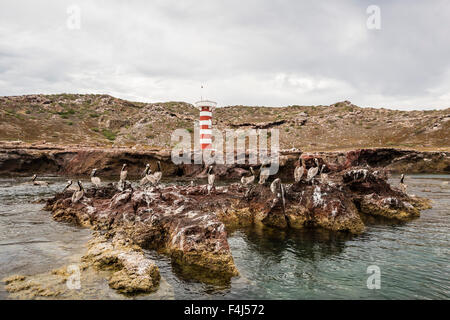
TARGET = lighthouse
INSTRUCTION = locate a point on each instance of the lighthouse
(206, 108)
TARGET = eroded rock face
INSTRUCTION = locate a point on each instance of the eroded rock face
(133, 272)
(327, 206)
(22, 158)
(168, 219)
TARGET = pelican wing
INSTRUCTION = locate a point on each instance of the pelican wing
(247, 180)
(157, 177)
(298, 173)
(211, 178)
(273, 186)
(312, 172)
(77, 196)
(96, 181)
(144, 181)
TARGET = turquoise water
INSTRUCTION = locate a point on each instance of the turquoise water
(413, 257)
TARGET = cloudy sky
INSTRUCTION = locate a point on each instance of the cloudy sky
(250, 52)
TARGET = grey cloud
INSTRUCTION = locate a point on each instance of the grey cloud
(245, 52)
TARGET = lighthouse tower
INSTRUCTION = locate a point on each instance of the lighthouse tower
(206, 108)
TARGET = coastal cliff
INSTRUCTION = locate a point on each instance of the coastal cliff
(27, 159)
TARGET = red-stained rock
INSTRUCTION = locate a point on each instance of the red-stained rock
(189, 225)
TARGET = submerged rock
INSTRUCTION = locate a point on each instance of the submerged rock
(133, 272)
(124, 264)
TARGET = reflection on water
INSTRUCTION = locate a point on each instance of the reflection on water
(310, 264)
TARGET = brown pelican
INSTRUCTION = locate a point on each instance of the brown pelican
(211, 178)
(264, 172)
(94, 179)
(403, 186)
(121, 185)
(152, 178)
(147, 171)
(78, 195)
(70, 186)
(248, 180)
(123, 172)
(158, 174)
(323, 176)
(312, 172)
(37, 182)
(277, 189)
(299, 169)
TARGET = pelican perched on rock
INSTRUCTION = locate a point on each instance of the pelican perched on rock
(277, 189)
(264, 172)
(94, 179)
(123, 177)
(299, 169)
(211, 179)
(147, 171)
(158, 173)
(403, 186)
(123, 172)
(70, 186)
(37, 182)
(250, 179)
(151, 178)
(78, 195)
(312, 172)
(323, 176)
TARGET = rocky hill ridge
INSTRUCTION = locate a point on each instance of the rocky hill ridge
(103, 120)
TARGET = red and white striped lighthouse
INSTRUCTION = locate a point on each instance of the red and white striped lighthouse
(206, 108)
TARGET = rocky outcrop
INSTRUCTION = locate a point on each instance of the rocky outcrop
(373, 195)
(124, 264)
(188, 224)
(132, 272)
(167, 219)
(22, 287)
(258, 125)
(397, 160)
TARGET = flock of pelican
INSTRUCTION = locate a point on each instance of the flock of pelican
(264, 173)
(150, 178)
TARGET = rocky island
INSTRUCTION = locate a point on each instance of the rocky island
(190, 225)
(188, 222)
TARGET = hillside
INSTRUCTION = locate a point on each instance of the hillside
(102, 120)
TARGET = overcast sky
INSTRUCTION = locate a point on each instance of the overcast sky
(249, 52)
